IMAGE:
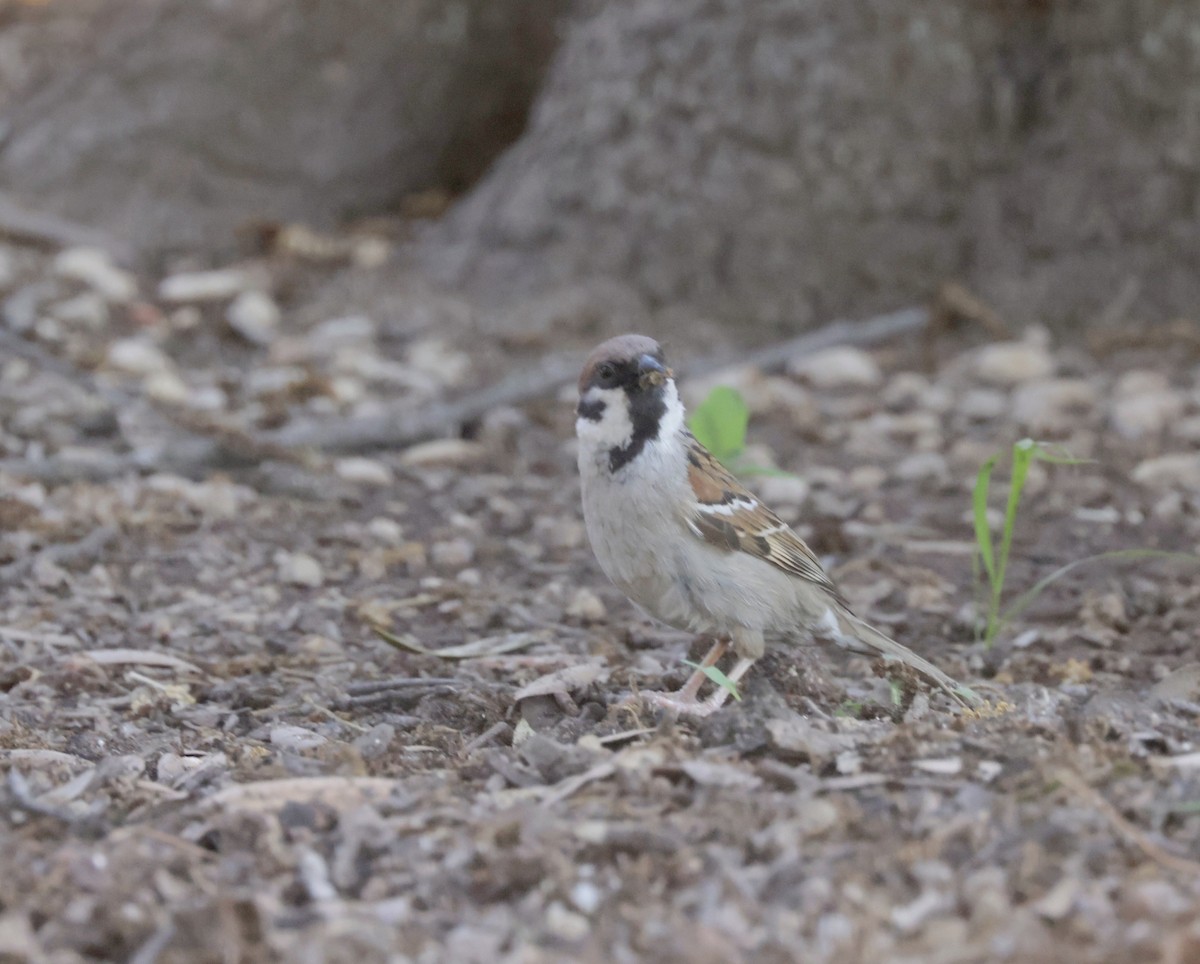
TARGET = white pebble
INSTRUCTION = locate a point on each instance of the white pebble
(452, 553)
(833, 368)
(364, 472)
(300, 569)
(94, 268)
(254, 315)
(295, 738)
(200, 286)
(1179, 469)
(1144, 404)
(586, 606)
(1013, 362)
(1053, 404)
(137, 356)
(87, 310)
(386, 530)
(166, 387)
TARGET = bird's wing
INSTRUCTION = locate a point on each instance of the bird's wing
(728, 516)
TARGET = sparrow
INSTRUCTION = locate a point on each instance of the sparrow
(688, 543)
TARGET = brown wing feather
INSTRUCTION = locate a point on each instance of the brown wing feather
(729, 517)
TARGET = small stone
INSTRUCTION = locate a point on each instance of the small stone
(835, 368)
(435, 357)
(565, 924)
(194, 287)
(586, 607)
(363, 471)
(87, 310)
(1014, 362)
(1144, 404)
(385, 530)
(137, 356)
(375, 742)
(343, 332)
(207, 398)
(1053, 404)
(300, 569)
(983, 404)
(783, 491)
(1178, 469)
(586, 896)
(446, 451)
(923, 465)
(255, 316)
(166, 387)
(452, 553)
(94, 268)
(295, 739)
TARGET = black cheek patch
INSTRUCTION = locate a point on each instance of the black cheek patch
(593, 411)
(646, 410)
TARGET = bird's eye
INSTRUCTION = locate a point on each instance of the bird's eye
(606, 372)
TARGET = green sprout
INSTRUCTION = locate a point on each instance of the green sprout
(718, 677)
(995, 564)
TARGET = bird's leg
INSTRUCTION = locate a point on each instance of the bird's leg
(717, 700)
(692, 687)
(711, 705)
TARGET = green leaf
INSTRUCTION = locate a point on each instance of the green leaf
(720, 422)
(718, 677)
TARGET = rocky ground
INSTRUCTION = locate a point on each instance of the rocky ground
(210, 755)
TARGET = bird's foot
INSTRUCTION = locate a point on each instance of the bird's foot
(681, 705)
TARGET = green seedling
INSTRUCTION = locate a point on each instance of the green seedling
(719, 424)
(995, 564)
(718, 677)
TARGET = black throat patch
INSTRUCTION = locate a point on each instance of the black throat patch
(592, 411)
(646, 409)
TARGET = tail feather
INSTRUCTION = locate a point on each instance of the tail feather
(851, 626)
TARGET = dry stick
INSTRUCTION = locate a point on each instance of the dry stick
(51, 231)
(400, 426)
(1131, 832)
(90, 546)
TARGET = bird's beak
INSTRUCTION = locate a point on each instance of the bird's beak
(652, 372)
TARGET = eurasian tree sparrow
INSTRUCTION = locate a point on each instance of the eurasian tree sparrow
(686, 541)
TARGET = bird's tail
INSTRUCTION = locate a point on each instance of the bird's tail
(851, 626)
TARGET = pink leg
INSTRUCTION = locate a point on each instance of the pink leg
(691, 707)
(692, 687)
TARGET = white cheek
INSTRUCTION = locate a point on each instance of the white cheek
(614, 427)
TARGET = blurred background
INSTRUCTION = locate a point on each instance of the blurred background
(764, 165)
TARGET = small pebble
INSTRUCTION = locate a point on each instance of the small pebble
(375, 742)
(300, 569)
(586, 607)
(195, 287)
(295, 738)
(452, 553)
(167, 387)
(94, 268)
(137, 356)
(255, 316)
(1178, 469)
(836, 368)
(1014, 362)
(87, 310)
(364, 471)
(385, 530)
(1144, 404)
